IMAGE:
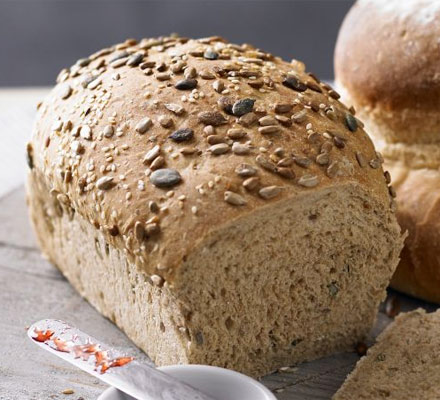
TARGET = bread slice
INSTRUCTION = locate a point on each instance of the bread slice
(403, 364)
(217, 203)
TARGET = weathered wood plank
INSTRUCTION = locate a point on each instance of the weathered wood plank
(17, 111)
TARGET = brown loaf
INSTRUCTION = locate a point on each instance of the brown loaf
(387, 65)
(275, 239)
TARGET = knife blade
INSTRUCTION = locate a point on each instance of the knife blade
(139, 380)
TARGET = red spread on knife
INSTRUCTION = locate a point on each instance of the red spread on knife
(83, 351)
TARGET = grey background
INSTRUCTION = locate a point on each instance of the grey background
(39, 37)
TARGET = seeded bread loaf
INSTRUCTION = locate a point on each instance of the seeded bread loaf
(387, 65)
(403, 364)
(221, 206)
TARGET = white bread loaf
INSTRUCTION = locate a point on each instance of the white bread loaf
(218, 204)
(387, 65)
(403, 364)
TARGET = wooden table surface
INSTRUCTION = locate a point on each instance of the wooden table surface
(31, 289)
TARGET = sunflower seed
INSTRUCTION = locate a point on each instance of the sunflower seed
(186, 84)
(65, 91)
(151, 155)
(143, 125)
(152, 229)
(269, 192)
(77, 147)
(165, 121)
(375, 163)
(361, 159)
(392, 192)
(118, 56)
(251, 183)
(163, 76)
(240, 149)
(333, 169)
(308, 180)
(119, 62)
(153, 207)
(139, 231)
(285, 162)
(299, 117)
(215, 139)
(245, 170)
(165, 177)
(256, 84)
(105, 183)
(210, 54)
(339, 143)
(190, 73)
(175, 108)
(281, 108)
(188, 150)
(177, 67)
(286, 173)
(108, 131)
(266, 164)
(236, 133)
(323, 159)
(206, 75)
(234, 198)
(218, 86)
(268, 130)
(135, 60)
(283, 120)
(303, 161)
(248, 119)
(86, 132)
(267, 120)
(220, 148)
(157, 163)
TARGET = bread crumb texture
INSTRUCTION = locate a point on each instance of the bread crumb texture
(403, 364)
(217, 203)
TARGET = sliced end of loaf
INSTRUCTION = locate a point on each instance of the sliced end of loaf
(403, 364)
(289, 282)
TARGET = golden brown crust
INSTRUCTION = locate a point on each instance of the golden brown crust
(387, 58)
(94, 142)
(418, 200)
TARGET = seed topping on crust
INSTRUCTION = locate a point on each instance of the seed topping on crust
(238, 122)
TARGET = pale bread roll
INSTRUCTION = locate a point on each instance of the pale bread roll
(387, 65)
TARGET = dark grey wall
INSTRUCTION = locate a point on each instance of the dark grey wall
(39, 37)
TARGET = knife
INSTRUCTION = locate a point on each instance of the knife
(139, 380)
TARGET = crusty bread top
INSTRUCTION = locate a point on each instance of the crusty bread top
(387, 56)
(159, 142)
